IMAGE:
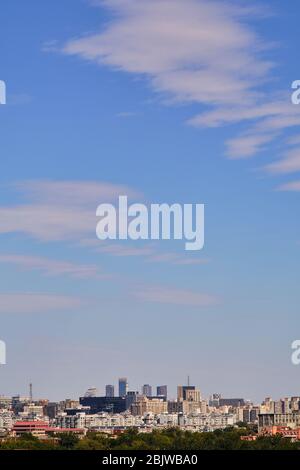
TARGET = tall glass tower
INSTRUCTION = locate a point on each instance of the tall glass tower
(123, 386)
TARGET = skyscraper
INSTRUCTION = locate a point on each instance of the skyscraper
(109, 391)
(131, 398)
(123, 386)
(147, 390)
(188, 392)
(162, 391)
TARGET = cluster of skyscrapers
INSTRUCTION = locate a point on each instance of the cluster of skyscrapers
(133, 400)
(161, 390)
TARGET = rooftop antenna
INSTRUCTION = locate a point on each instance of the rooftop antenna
(30, 392)
(188, 382)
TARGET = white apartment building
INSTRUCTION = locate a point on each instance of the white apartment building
(6, 419)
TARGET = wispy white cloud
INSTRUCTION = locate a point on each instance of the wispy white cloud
(51, 267)
(149, 253)
(197, 51)
(36, 303)
(188, 261)
(65, 211)
(58, 210)
(265, 123)
(294, 140)
(247, 112)
(289, 163)
(247, 145)
(192, 50)
(290, 186)
(46, 222)
(72, 193)
(177, 259)
(115, 249)
(174, 296)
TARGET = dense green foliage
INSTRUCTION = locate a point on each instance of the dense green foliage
(170, 439)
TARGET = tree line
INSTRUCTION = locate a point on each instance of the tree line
(168, 439)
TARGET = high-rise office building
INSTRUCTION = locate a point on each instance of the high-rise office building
(188, 393)
(183, 391)
(123, 386)
(131, 398)
(147, 390)
(109, 391)
(162, 391)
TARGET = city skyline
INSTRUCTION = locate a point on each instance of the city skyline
(116, 415)
(185, 391)
(173, 101)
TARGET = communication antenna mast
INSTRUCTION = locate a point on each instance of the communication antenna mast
(30, 392)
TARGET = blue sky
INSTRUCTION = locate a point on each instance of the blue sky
(166, 101)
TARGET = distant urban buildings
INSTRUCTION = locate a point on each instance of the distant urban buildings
(284, 412)
(162, 391)
(131, 398)
(145, 412)
(109, 391)
(104, 404)
(147, 390)
(144, 405)
(217, 400)
(189, 393)
(91, 392)
(123, 387)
